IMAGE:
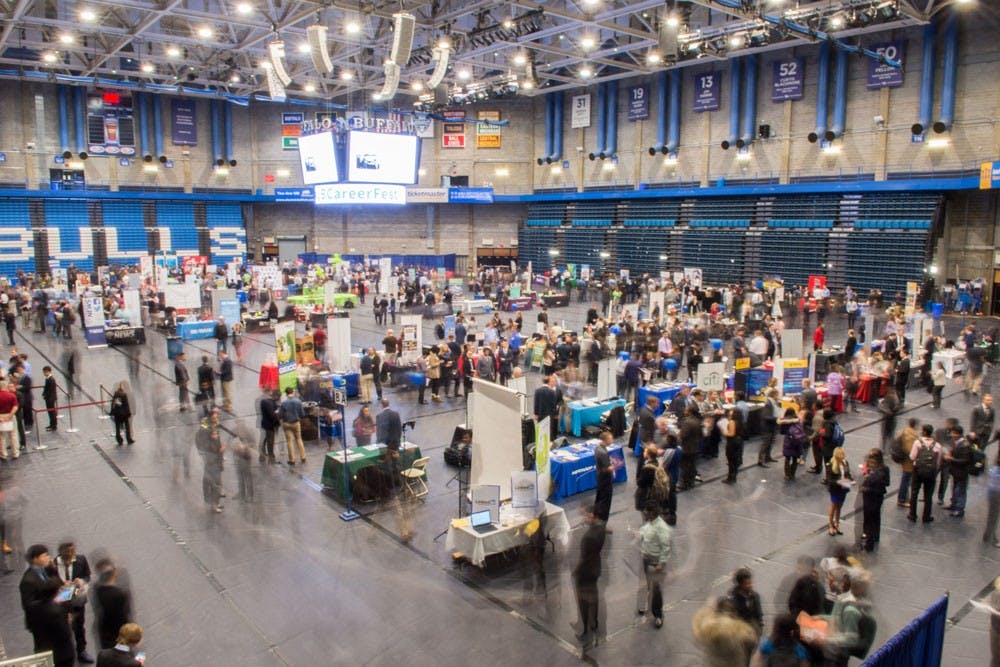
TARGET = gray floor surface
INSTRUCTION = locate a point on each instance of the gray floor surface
(283, 581)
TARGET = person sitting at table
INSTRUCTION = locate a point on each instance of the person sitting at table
(364, 427)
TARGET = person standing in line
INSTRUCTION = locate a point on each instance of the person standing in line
(907, 437)
(873, 488)
(206, 386)
(46, 619)
(181, 379)
(839, 481)
(25, 397)
(269, 423)
(655, 545)
(732, 429)
(938, 381)
(292, 412)
(121, 413)
(586, 574)
(605, 470)
(226, 380)
(926, 458)
(50, 397)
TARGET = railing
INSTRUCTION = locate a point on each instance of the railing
(39, 411)
(69, 397)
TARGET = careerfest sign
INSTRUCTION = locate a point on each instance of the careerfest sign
(359, 193)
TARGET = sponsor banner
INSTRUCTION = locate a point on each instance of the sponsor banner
(453, 130)
(470, 195)
(293, 194)
(706, 91)
(93, 321)
(284, 338)
(359, 193)
(488, 131)
(427, 195)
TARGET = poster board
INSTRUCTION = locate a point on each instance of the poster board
(524, 488)
(543, 446)
(229, 310)
(93, 321)
(486, 497)
(338, 343)
(607, 384)
(284, 340)
(132, 307)
(693, 276)
(711, 376)
(412, 334)
(305, 355)
(183, 296)
(496, 422)
(794, 371)
(791, 344)
(385, 275)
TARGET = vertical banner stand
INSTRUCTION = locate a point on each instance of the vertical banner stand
(340, 398)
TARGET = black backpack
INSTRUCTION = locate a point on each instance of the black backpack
(925, 465)
(896, 450)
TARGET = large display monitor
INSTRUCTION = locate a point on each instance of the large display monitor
(318, 159)
(382, 158)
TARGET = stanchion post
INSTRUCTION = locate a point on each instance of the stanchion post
(340, 398)
(71, 428)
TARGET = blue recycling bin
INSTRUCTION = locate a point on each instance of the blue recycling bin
(175, 345)
(937, 310)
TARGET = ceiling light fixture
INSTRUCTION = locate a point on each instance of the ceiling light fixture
(244, 8)
(837, 22)
(173, 52)
(88, 15)
(310, 88)
(235, 78)
(653, 58)
(520, 58)
(586, 72)
(352, 28)
(50, 57)
(673, 21)
(205, 32)
(464, 74)
(282, 173)
(346, 75)
(67, 38)
(736, 41)
(587, 42)
(148, 68)
(303, 47)
(417, 86)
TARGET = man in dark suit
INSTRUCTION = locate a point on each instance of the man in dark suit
(181, 379)
(50, 397)
(389, 430)
(586, 573)
(74, 567)
(548, 400)
(113, 604)
(45, 618)
(681, 401)
(647, 420)
(269, 424)
(902, 376)
(983, 417)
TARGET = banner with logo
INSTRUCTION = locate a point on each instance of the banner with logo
(794, 371)
(788, 80)
(453, 130)
(291, 130)
(93, 321)
(881, 75)
(542, 445)
(229, 310)
(284, 339)
(423, 125)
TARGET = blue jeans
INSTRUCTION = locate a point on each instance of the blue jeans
(958, 492)
(904, 487)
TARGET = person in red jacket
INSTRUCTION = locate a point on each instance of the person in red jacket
(818, 337)
(319, 343)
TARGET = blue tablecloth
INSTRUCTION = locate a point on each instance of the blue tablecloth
(351, 382)
(572, 469)
(195, 329)
(580, 415)
(665, 392)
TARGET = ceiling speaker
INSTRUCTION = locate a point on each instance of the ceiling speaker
(391, 80)
(316, 34)
(275, 90)
(441, 55)
(276, 50)
(402, 37)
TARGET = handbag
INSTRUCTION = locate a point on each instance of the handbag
(7, 426)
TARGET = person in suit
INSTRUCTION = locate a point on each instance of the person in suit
(25, 397)
(389, 430)
(74, 567)
(50, 397)
(681, 401)
(46, 619)
(808, 396)
(124, 653)
(647, 420)
(982, 420)
(112, 603)
(206, 385)
(181, 379)
(121, 412)
(586, 574)
(269, 423)
(902, 374)
(548, 400)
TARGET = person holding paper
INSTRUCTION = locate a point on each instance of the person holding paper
(45, 617)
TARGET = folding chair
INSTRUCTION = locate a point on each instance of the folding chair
(413, 478)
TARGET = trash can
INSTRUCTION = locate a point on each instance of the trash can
(937, 309)
(175, 345)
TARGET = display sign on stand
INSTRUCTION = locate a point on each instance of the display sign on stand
(218, 295)
(794, 371)
(284, 338)
(524, 488)
(338, 343)
(229, 310)
(607, 384)
(486, 497)
(543, 444)
(412, 333)
(93, 321)
(791, 344)
(712, 376)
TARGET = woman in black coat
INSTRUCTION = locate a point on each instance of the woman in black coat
(121, 412)
(873, 486)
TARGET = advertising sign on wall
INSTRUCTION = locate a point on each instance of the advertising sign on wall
(453, 130)
(881, 75)
(787, 82)
(706, 91)
(488, 131)
(183, 122)
(291, 130)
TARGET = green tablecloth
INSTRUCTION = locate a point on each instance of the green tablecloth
(358, 458)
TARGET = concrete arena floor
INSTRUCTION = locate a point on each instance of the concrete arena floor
(283, 581)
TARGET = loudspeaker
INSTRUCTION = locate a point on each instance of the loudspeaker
(391, 83)
(764, 131)
(402, 37)
(276, 50)
(275, 89)
(316, 34)
(441, 55)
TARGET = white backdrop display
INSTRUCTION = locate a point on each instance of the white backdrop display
(218, 296)
(791, 344)
(266, 276)
(413, 336)
(133, 306)
(496, 429)
(329, 294)
(338, 343)
(607, 384)
(186, 296)
(656, 301)
(385, 275)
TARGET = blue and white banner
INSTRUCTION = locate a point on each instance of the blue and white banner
(881, 75)
(706, 91)
(184, 122)
(293, 194)
(787, 83)
(470, 196)
(638, 102)
(229, 310)
(93, 321)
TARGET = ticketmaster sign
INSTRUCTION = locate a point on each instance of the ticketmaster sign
(349, 193)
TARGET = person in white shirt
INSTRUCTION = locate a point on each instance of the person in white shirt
(758, 344)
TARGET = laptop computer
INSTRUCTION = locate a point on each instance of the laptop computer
(480, 522)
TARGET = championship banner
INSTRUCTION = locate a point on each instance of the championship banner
(284, 339)
(93, 321)
(542, 445)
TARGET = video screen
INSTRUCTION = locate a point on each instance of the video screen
(318, 158)
(382, 158)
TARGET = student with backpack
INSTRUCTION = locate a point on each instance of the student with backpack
(852, 623)
(831, 436)
(795, 441)
(926, 458)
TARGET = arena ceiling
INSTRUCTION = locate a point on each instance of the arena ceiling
(512, 47)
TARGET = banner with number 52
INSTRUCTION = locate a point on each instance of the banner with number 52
(787, 83)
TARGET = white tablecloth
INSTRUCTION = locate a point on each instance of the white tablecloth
(474, 305)
(953, 361)
(477, 546)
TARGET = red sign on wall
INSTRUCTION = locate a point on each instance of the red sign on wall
(453, 140)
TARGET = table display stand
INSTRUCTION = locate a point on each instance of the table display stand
(349, 514)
